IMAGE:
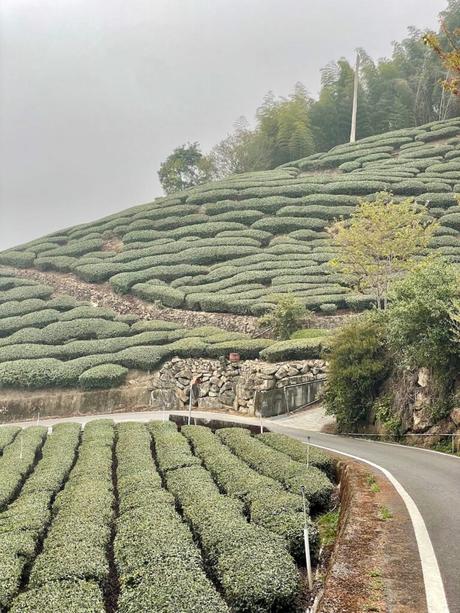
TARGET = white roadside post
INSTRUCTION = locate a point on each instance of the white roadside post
(308, 452)
(306, 541)
(261, 424)
(20, 448)
(190, 406)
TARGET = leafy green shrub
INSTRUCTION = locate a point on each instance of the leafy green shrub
(75, 545)
(26, 518)
(452, 220)
(438, 134)
(155, 573)
(278, 466)
(267, 503)
(26, 292)
(20, 259)
(7, 435)
(14, 466)
(361, 188)
(295, 349)
(103, 376)
(36, 319)
(287, 316)
(168, 296)
(60, 263)
(76, 248)
(328, 308)
(297, 450)
(282, 225)
(97, 273)
(71, 596)
(231, 545)
(248, 349)
(358, 365)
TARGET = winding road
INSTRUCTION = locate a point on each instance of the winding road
(428, 482)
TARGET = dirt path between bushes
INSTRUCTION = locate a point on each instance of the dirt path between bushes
(102, 295)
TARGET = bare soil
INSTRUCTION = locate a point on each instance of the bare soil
(101, 294)
(375, 564)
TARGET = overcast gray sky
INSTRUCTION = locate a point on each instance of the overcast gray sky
(94, 94)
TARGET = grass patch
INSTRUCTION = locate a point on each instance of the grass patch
(328, 526)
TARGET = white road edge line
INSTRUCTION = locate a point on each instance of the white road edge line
(434, 588)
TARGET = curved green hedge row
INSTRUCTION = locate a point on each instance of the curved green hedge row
(267, 503)
(7, 436)
(231, 545)
(156, 573)
(25, 521)
(298, 451)
(272, 463)
(17, 461)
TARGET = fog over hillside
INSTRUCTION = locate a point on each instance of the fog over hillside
(94, 95)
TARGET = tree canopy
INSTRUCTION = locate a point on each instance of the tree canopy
(185, 167)
(380, 240)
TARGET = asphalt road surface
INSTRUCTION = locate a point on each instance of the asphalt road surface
(432, 480)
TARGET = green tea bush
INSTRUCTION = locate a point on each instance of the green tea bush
(73, 596)
(97, 273)
(436, 135)
(36, 319)
(248, 349)
(295, 349)
(75, 545)
(231, 545)
(361, 188)
(168, 296)
(26, 292)
(7, 435)
(103, 376)
(20, 259)
(155, 573)
(282, 225)
(26, 518)
(60, 263)
(14, 466)
(451, 220)
(268, 505)
(276, 465)
(75, 248)
(298, 451)
(15, 308)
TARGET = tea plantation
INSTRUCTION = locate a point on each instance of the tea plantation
(48, 342)
(231, 244)
(138, 517)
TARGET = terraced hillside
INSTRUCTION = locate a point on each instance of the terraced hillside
(230, 245)
(138, 517)
(58, 341)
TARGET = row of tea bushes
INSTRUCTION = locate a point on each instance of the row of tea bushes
(24, 523)
(72, 570)
(276, 465)
(18, 460)
(7, 436)
(168, 251)
(159, 566)
(230, 544)
(266, 501)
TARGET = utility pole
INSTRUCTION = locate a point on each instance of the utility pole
(355, 101)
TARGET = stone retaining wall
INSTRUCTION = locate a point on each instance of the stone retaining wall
(227, 385)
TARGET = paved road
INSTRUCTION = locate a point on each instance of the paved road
(431, 480)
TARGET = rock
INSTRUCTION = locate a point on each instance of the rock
(455, 416)
(423, 377)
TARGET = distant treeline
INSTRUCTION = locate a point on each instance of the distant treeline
(398, 92)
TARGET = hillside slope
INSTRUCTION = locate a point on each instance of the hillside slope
(230, 245)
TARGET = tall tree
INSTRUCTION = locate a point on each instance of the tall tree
(379, 242)
(184, 168)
